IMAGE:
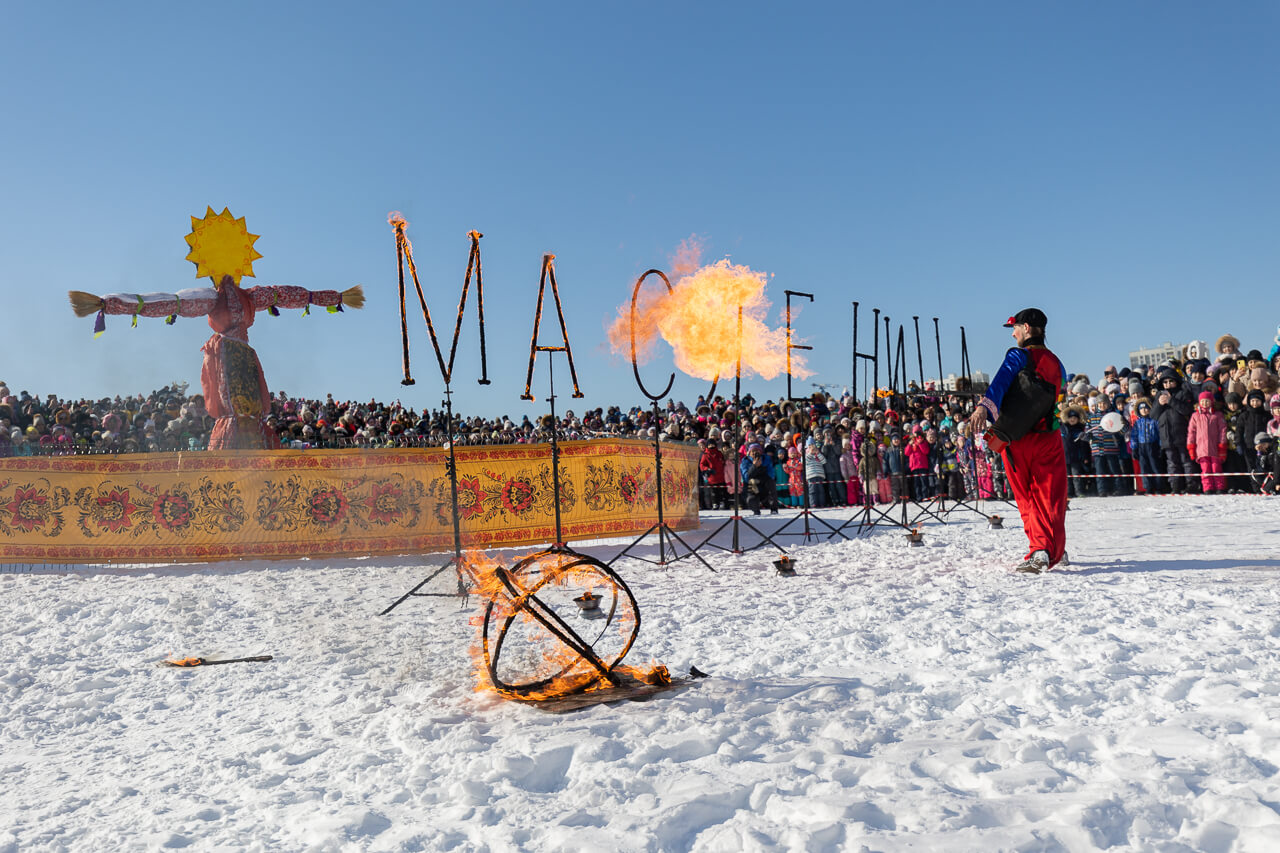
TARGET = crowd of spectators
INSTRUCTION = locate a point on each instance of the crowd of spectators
(1207, 422)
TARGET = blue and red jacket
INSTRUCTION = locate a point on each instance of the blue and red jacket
(1046, 366)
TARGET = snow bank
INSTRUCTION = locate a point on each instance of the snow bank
(888, 698)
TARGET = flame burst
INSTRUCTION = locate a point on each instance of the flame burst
(520, 656)
(397, 221)
(699, 319)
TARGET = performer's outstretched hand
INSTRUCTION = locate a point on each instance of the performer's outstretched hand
(978, 420)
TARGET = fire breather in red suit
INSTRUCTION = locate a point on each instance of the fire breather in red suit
(1022, 404)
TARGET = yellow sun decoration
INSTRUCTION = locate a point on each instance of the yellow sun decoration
(221, 245)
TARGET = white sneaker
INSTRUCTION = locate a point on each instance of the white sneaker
(1035, 564)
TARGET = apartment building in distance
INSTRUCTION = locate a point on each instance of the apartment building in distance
(1155, 355)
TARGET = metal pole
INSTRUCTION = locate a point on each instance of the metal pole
(657, 466)
(791, 346)
(919, 356)
(555, 450)
(875, 361)
(853, 385)
(889, 374)
(453, 479)
(900, 360)
(737, 445)
(404, 323)
(937, 339)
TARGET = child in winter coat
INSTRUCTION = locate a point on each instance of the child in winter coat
(951, 483)
(795, 476)
(869, 466)
(1144, 444)
(711, 464)
(831, 450)
(918, 465)
(1172, 411)
(814, 473)
(758, 476)
(935, 483)
(1266, 471)
(849, 471)
(1076, 442)
(1207, 443)
(965, 459)
(895, 465)
(1232, 412)
(732, 475)
(1105, 447)
(781, 477)
(1249, 423)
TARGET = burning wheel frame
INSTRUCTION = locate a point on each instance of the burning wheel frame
(529, 585)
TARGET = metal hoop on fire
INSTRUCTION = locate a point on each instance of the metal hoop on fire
(530, 648)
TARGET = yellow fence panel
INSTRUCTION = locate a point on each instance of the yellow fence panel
(198, 507)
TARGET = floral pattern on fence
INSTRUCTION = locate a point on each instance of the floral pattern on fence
(186, 507)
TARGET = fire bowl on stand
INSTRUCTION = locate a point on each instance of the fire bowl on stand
(588, 603)
(995, 522)
(786, 566)
(915, 538)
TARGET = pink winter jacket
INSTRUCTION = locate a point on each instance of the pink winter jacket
(1206, 433)
(918, 454)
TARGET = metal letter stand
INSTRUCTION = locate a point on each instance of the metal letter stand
(736, 520)
(667, 538)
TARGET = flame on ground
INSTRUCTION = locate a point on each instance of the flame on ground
(565, 671)
(699, 319)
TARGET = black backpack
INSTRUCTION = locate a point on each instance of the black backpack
(1029, 400)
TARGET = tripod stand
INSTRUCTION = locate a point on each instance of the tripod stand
(926, 508)
(454, 562)
(549, 274)
(736, 520)
(870, 515)
(664, 531)
(806, 509)
(961, 505)
(667, 538)
(806, 513)
(404, 253)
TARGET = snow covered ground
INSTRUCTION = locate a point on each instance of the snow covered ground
(889, 698)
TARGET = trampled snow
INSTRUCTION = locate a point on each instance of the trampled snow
(888, 698)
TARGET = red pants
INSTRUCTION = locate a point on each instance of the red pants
(1211, 474)
(1037, 470)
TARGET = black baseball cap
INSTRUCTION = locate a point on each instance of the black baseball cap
(1033, 317)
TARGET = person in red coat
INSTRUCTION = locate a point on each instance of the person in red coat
(712, 465)
(1022, 402)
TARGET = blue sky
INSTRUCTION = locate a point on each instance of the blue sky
(1113, 163)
